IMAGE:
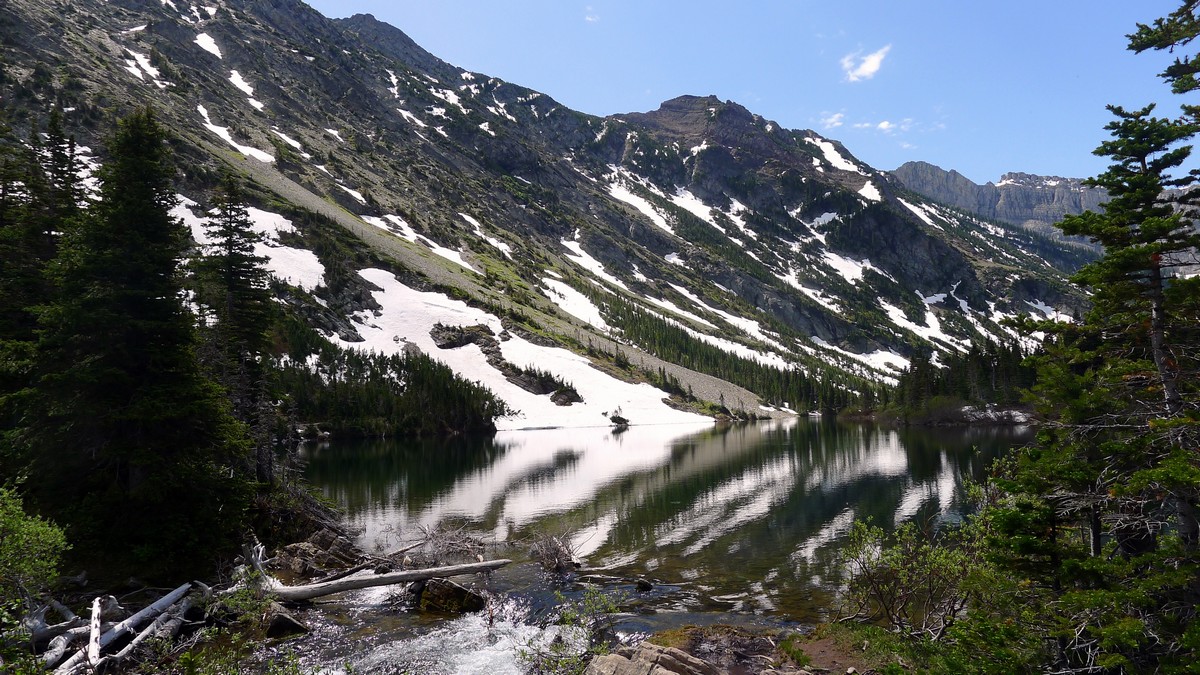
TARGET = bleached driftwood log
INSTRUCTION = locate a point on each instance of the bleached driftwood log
(310, 591)
(93, 649)
(155, 628)
(254, 557)
(127, 626)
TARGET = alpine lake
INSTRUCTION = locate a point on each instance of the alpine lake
(738, 524)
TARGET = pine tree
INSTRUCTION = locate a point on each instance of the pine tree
(243, 301)
(234, 283)
(1101, 512)
(131, 444)
(38, 199)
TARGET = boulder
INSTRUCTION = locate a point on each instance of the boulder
(281, 623)
(649, 659)
(446, 597)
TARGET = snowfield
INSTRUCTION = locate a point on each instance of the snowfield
(295, 266)
(407, 316)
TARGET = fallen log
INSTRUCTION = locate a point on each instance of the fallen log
(93, 649)
(153, 629)
(310, 591)
(127, 626)
(48, 633)
(175, 618)
(57, 648)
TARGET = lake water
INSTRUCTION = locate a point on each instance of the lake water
(740, 523)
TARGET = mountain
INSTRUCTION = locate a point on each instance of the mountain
(1026, 200)
(689, 246)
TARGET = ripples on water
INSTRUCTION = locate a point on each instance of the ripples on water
(745, 519)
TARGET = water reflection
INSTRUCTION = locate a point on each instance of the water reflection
(745, 518)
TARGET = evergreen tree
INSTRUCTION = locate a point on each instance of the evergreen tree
(233, 281)
(38, 199)
(243, 299)
(131, 444)
(1100, 513)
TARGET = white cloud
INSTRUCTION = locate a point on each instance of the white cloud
(885, 126)
(832, 121)
(590, 16)
(859, 67)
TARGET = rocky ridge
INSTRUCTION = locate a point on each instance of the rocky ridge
(775, 246)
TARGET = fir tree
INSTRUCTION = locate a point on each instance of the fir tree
(234, 283)
(131, 444)
(38, 199)
(1101, 512)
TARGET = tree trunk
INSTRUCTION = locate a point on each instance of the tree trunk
(310, 591)
(126, 626)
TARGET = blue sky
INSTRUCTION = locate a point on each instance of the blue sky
(981, 87)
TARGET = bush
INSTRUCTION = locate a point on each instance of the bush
(583, 632)
(29, 551)
(957, 612)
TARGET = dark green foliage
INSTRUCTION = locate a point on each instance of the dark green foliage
(129, 442)
(232, 280)
(38, 196)
(1175, 30)
(1101, 512)
(987, 373)
(1093, 531)
(236, 276)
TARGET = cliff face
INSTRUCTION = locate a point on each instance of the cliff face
(1022, 199)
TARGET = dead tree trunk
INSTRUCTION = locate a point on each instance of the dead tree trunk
(127, 626)
(310, 591)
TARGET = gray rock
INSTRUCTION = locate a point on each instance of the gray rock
(281, 623)
(649, 659)
(446, 597)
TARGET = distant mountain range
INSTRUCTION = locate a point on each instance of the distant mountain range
(1025, 200)
(773, 246)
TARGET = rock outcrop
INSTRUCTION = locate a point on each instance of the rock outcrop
(1022, 199)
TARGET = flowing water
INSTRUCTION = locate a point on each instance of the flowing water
(738, 524)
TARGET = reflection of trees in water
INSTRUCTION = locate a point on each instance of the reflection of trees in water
(737, 505)
(364, 474)
(790, 495)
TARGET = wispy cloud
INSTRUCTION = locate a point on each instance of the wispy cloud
(590, 15)
(858, 67)
(833, 121)
(887, 126)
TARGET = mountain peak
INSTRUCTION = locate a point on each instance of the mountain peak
(395, 43)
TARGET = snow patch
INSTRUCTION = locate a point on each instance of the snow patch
(399, 227)
(498, 244)
(620, 191)
(141, 67)
(223, 132)
(833, 156)
(410, 314)
(208, 44)
(587, 262)
(574, 303)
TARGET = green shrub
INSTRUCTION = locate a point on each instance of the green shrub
(30, 548)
